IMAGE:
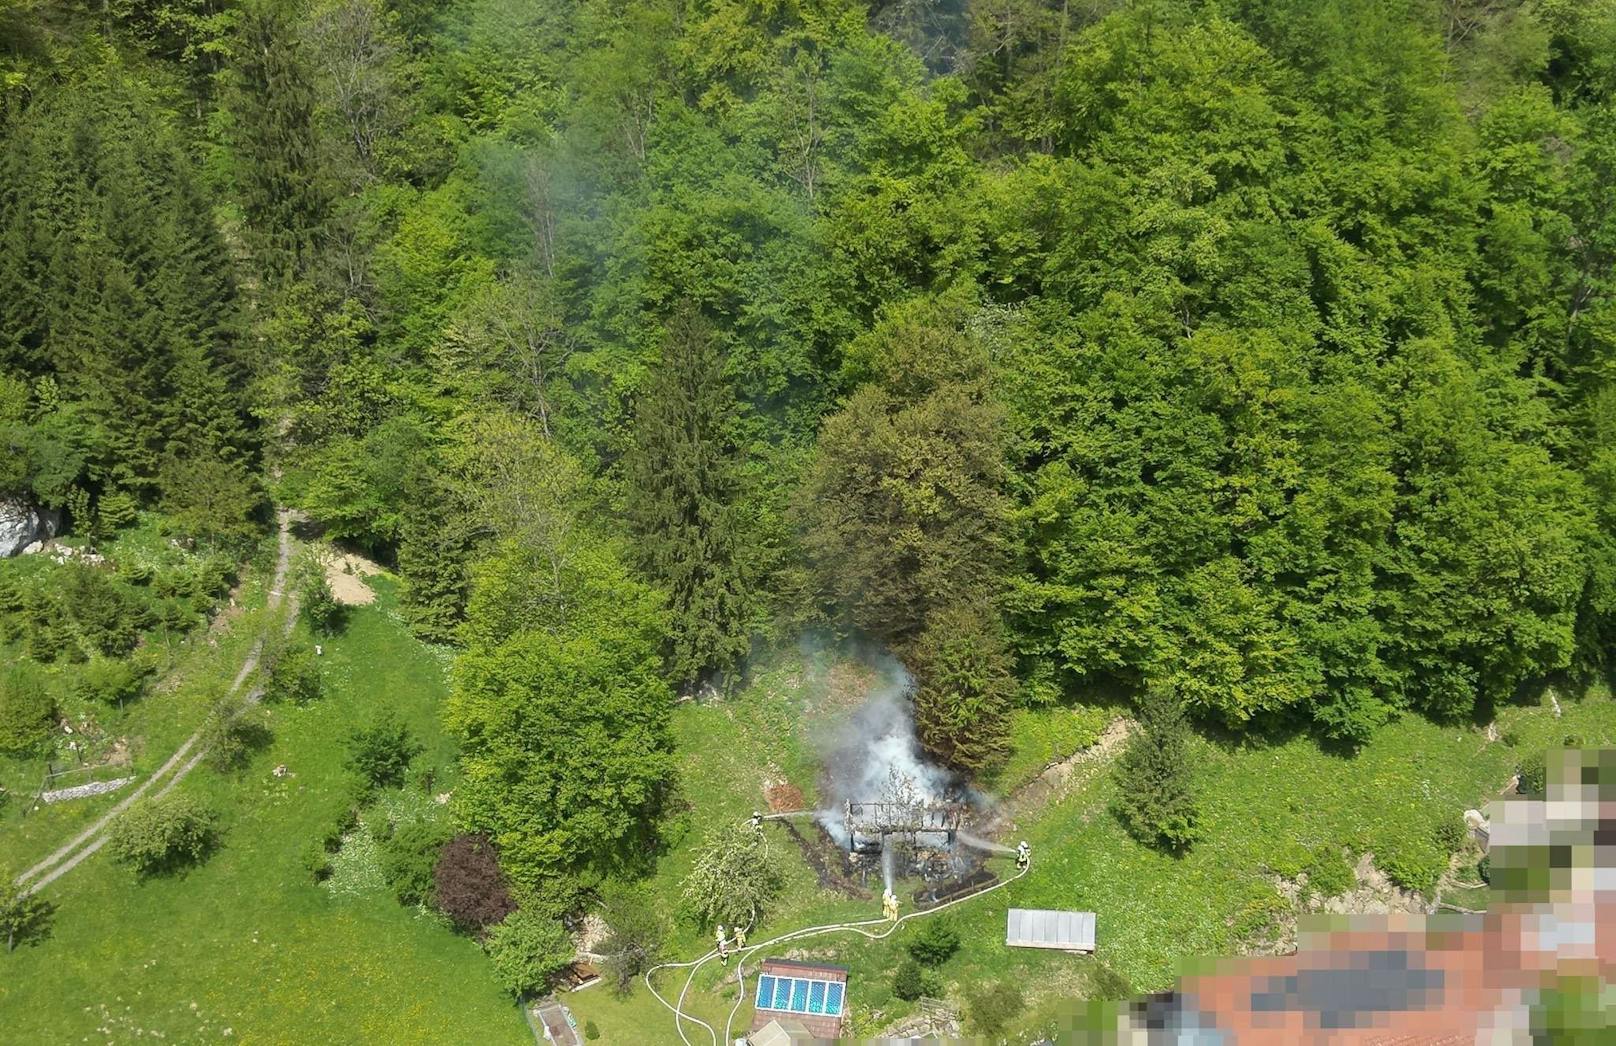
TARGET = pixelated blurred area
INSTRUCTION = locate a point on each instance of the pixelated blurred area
(1539, 967)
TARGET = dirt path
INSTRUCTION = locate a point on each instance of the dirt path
(93, 838)
(1059, 780)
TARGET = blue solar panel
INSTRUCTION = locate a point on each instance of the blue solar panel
(799, 995)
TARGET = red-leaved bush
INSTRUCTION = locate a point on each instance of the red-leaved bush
(470, 889)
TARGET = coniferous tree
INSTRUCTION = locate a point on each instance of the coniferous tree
(1156, 802)
(964, 687)
(684, 493)
(281, 180)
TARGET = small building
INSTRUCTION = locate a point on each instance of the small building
(1045, 928)
(781, 1033)
(802, 998)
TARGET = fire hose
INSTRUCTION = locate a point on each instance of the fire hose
(694, 965)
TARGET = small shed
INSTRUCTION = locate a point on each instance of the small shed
(803, 997)
(1046, 928)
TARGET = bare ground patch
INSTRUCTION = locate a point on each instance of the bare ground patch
(345, 574)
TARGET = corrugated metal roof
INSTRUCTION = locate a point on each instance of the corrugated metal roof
(1045, 928)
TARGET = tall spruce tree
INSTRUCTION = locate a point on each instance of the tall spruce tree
(121, 313)
(280, 178)
(1156, 802)
(685, 489)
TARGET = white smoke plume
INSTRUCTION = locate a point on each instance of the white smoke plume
(876, 748)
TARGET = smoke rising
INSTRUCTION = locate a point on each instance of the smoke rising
(876, 749)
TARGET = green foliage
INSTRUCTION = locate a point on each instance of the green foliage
(1451, 833)
(936, 942)
(989, 1008)
(591, 1032)
(292, 673)
(1329, 874)
(1412, 861)
(27, 709)
(1533, 772)
(25, 917)
(109, 680)
(324, 614)
(408, 856)
(1153, 774)
(909, 980)
(211, 500)
(734, 878)
(634, 936)
(903, 506)
(965, 686)
(160, 836)
(233, 733)
(527, 949)
(685, 490)
(382, 752)
(562, 716)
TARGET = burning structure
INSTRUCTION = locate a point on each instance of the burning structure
(889, 807)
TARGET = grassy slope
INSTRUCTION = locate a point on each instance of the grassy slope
(1155, 912)
(248, 937)
(194, 667)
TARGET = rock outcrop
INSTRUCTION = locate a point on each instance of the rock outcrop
(24, 525)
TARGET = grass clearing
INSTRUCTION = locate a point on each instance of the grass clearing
(248, 941)
(1261, 801)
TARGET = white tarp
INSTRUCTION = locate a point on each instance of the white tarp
(1044, 928)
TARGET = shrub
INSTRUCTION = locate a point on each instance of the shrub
(1450, 834)
(26, 707)
(1412, 862)
(990, 1008)
(908, 981)
(381, 754)
(162, 835)
(408, 858)
(527, 949)
(1484, 869)
(1329, 873)
(734, 879)
(108, 680)
(233, 733)
(293, 675)
(1534, 774)
(107, 614)
(24, 917)
(936, 942)
(1156, 804)
(325, 615)
(634, 936)
(590, 1031)
(468, 886)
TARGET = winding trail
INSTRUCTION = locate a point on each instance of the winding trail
(80, 847)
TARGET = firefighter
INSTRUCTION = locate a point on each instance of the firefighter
(757, 820)
(723, 945)
(889, 905)
(740, 937)
(1023, 856)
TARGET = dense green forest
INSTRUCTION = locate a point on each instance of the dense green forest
(1256, 353)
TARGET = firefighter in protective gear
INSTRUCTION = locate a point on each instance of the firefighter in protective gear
(1023, 856)
(889, 905)
(723, 945)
